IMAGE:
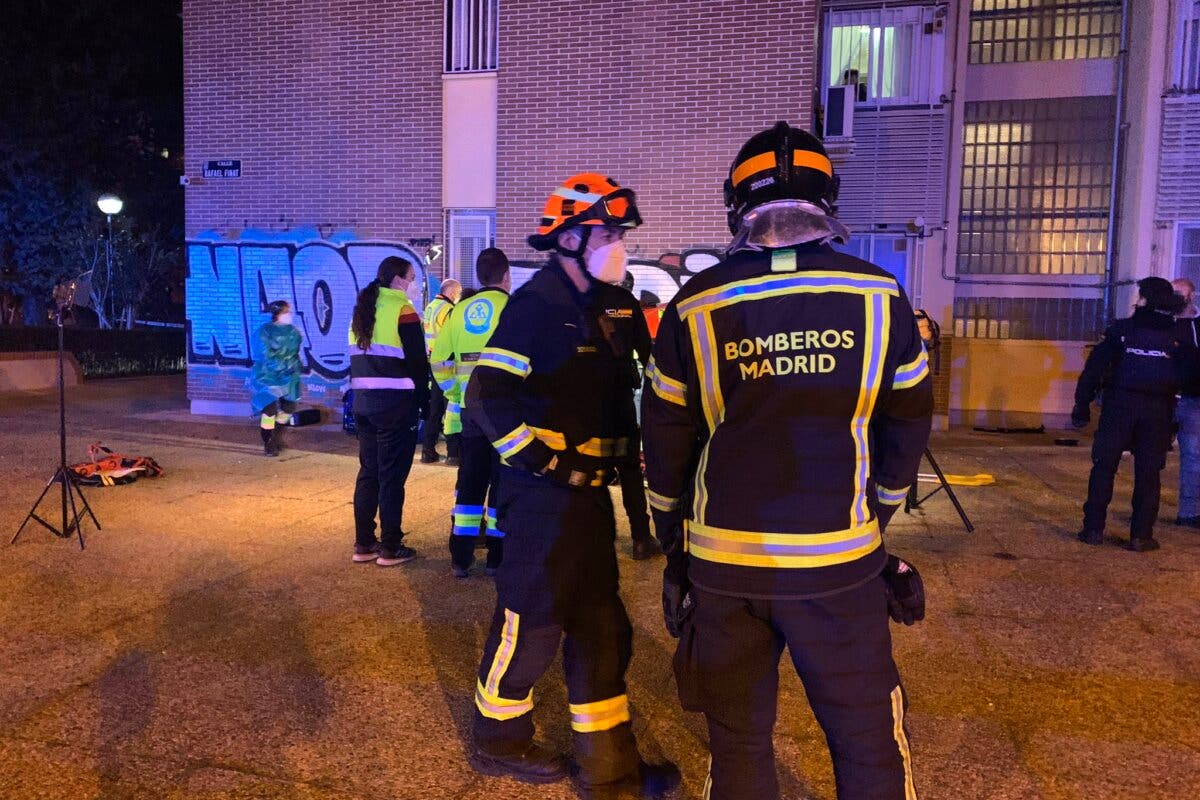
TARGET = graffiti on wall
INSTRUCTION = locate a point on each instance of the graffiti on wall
(231, 282)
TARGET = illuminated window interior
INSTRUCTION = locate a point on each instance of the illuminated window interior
(1006, 31)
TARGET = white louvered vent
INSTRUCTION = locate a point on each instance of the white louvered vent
(898, 169)
(1179, 169)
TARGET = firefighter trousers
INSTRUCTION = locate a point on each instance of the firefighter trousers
(727, 666)
(558, 583)
(475, 501)
(1142, 425)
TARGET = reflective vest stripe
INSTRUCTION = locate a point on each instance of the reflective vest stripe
(660, 502)
(782, 550)
(505, 360)
(599, 716)
(384, 350)
(910, 374)
(774, 285)
(665, 387)
(891, 497)
(876, 327)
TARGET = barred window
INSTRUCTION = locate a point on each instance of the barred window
(1006, 31)
(471, 31)
(892, 55)
(1188, 253)
(1046, 318)
(1035, 188)
(1187, 47)
(468, 233)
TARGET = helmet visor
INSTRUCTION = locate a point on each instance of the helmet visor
(618, 209)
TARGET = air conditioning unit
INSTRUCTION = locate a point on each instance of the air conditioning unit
(839, 112)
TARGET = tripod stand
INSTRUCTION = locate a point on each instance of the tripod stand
(62, 475)
(912, 501)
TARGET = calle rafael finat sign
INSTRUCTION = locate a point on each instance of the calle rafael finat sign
(227, 168)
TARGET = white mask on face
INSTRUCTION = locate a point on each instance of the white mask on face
(608, 262)
(285, 318)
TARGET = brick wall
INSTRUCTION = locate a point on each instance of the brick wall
(333, 107)
(659, 96)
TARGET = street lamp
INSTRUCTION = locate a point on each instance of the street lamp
(108, 204)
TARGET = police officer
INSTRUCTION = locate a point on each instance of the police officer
(434, 317)
(550, 391)
(624, 325)
(1137, 367)
(455, 353)
(786, 406)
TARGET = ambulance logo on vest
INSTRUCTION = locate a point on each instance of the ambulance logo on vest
(479, 316)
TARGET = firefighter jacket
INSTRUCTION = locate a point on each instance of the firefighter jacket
(787, 400)
(457, 347)
(276, 371)
(624, 326)
(392, 370)
(550, 380)
(1142, 355)
(435, 316)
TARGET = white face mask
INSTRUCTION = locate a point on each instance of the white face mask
(284, 319)
(608, 263)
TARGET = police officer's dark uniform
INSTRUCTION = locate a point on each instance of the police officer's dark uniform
(549, 390)
(786, 406)
(1136, 367)
(625, 326)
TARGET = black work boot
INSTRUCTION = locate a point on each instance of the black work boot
(650, 781)
(430, 457)
(1091, 536)
(645, 548)
(537, 764)
(1142, 544)
(277, 437)
(270, 448)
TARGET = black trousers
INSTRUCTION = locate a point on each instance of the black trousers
(1142, 425)
(475, 501)
(633, 497)
(386, 443)
(558, 583)
(727, 666)
(433, 423)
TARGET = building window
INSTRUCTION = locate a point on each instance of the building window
(889, 251)
(1007, 31)
(471, 30)
(468, 233)
(1035, 187)
(1058, 319)
(893, 56)
(1187, 252)
(1187, 47)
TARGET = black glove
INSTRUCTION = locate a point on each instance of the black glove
(1081, 415)
(905, 591)
(572, 469)
(677, 589)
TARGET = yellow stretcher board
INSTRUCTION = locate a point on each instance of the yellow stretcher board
(982, 479)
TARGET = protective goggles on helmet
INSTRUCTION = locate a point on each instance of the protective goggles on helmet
(617, 209)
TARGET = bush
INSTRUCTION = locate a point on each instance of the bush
(104, 353)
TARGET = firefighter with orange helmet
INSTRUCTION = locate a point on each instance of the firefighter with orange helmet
(550, 391)
(787, 404)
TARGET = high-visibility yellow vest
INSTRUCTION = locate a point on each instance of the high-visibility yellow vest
(458, 345)
(381, 365)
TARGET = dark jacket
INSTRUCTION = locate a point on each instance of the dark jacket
(786, 408)
(1140, 357)
(550, 379)
(624, 326)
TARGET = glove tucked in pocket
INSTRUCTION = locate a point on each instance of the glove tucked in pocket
(905, 591)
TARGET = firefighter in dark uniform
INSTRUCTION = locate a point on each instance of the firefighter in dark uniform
(786, 406)
(1137, 366)
(550, 391)
(455, 353)
(624, 324)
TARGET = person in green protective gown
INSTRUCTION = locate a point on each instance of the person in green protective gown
(275, 378)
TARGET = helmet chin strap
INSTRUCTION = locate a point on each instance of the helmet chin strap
(585, 233)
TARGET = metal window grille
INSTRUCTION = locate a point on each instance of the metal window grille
(893, 55)
(468, 233)
(1187, 47)
(1006, 31)
(471, 30)
(1062, 319)
(1035, 186)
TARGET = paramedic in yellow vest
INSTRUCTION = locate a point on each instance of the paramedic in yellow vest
(435, 316)
(455, 352)
(388, 368)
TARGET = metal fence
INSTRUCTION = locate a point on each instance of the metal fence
(1006, 31)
